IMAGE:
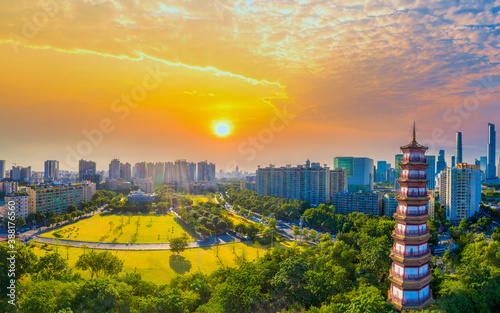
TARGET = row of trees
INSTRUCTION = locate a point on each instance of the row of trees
(280, 208)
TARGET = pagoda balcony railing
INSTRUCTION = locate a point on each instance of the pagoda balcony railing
(412, 254)
(412, 232)
(412, 212)
(414, 159)
(418, 176)
(412, 277)
(410, 301)
(412, 194)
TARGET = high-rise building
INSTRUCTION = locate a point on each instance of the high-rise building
(25, 173)
(126, 171)
(483, 165)
(390, 204)
(51, 170)
(86, 168)
(431, 171)
(206, 172)
(441, 162)
(114, 169)
(410, 274)
(309, 182)
(460, 191)
(338, 181)
(397, 170)
(453, 163)
(360, 174)
(2, 169)
(491, 166)
(191, 172)
(20, 202)
(382, 171)
(458, 149)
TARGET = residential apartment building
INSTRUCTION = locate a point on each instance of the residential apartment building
(51, 170)
(460, 191)
(368, 203)
(20, 202)
(310, 182)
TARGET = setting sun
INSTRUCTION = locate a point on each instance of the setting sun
(222, 128)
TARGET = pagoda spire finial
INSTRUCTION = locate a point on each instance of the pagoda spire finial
(414, 139)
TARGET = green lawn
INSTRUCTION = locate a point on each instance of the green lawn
(161, 266)
(123, 228)
(238, 219)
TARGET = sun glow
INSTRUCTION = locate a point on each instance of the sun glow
(222, 128)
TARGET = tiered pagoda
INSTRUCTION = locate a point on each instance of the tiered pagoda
(410, 273)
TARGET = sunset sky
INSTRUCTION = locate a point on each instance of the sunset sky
(287, 80)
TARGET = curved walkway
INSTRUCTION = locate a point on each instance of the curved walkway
(221, 240)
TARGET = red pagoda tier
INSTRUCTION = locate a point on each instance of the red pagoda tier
(410, 272)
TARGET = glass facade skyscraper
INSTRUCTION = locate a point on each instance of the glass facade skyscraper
(441, 163)
(491, 172)
(458, 149)
(360, 174)
(431, 171)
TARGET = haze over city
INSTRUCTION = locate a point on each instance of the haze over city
(326, 78)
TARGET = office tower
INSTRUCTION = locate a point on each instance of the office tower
(382, 171)
(453, 163)
(126, 171)
(114, 169)
(477, 163)
(360, 173)
(460, 192)
(430, 172)
(390, 175)
(441, 163)
(308, 182)
(86, 168)
(491, 167)
(51, 170)
(2, 169)
(410, 273)
(397, 170)
(458, 149)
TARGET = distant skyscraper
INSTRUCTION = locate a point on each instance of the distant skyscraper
(458, 149)
(441, 163)
(453, 163)
(382, 171)
(114, 169)
(86, 168)
(361, 169)
(430, 172)
(2, 169)
(491, 167)
(206, 172)
(397, 170)
(51, 171)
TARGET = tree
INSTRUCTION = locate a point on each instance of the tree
(252, 230)
(463, 225)
(272, 223)
(72, 208)
(100, 263)
(305, 234)
(50, 266)
(179, 244)
(296, 231)
(312, 234)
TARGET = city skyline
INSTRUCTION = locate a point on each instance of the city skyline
(297, 75)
